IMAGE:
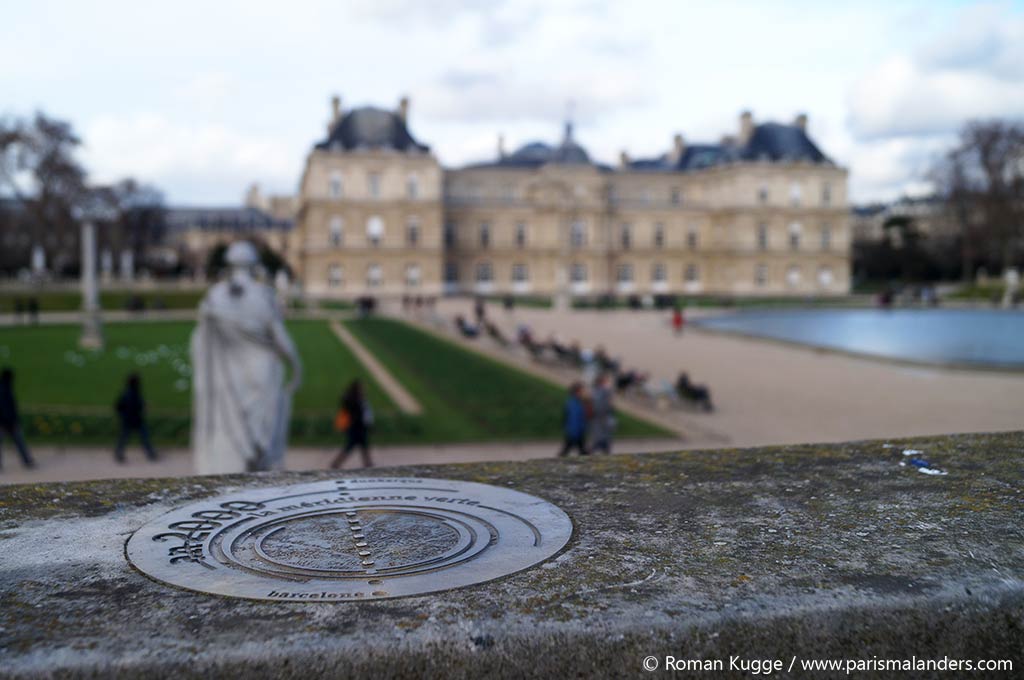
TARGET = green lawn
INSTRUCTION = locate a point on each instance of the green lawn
(469, 397)
(66, 394)
(71, 300)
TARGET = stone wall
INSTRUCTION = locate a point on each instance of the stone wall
(816, 551)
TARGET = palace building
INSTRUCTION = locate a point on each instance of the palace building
(763, 211)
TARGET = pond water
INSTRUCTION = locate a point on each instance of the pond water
(983, 338)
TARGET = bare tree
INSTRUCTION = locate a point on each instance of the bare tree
(981, 181)
(39, 170)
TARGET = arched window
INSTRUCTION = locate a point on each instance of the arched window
(412, 232)
(658, 273)
(334, 186)
(825, 277)
(520, 273)
(691, 274)
(374, 230)
(793, 276)
(335, 276)
(484, 272)
(412, 275)
(412, 185)
(659, 235)
(795, 230)
(578, 272)
(336, 230)
(374, 275)
(578, 234)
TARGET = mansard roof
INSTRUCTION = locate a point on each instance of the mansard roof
(772, 142)
(373, 128)
(223, 219)
(536, 154)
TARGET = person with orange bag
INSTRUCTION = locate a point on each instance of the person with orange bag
(354, 418)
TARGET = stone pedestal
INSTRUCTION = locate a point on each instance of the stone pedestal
(92, 326)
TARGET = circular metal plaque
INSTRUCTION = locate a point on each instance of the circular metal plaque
(349, 539)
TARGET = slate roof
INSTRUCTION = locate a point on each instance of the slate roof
(371, 127)
(223, 219)
(536, 154)
(772, 142)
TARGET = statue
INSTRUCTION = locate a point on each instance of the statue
(241, 408)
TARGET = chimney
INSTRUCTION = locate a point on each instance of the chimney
(403, 109)
(501, 146)
(335, 114)
(801, 121)
(623, 159)
(746, 127)
(678, 148)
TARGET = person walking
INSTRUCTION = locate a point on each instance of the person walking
(131, 411)
(678, 320)
(354, 417)
(602, 424)
(9, 421)
(574, 422)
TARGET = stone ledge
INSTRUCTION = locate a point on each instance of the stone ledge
(818, 551)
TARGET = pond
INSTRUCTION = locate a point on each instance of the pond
(971, 337)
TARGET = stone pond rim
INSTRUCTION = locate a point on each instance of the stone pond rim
(819, 551)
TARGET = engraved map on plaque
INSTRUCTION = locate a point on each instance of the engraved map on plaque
(349, 539)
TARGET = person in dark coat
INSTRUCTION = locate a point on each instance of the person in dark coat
(131, 410)
(9, 421)
(360, 418)
(574, 422)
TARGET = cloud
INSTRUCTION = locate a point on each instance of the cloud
(975, 70)
(887, 169)
(195, 162)
(488, 96)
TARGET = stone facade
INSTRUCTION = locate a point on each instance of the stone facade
(764, 212)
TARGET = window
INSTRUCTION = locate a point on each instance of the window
(658, 273)
(826, 194)
(613, 195)
(374, 275)
(762, 236)
(578, 234)
(374, 230)
(625, 236)
(624, 273)
(659, 235)
(412, 275)
(826, 236)
(412, 186)
(794, 235)
(451, 272)
(485, 234)
(520, 274)
(335, 276)
(578, 272)
(373, 187)
(334, 185)
(795, 194)
(645, 196)
(337, 230)
(825, 277)
(676, 197)
(412, 232)
(691, 274)
(760, 274)
(521, 235)
(793, 276)
(508, 192)
(762, 195)
(449, 234)
(691, 237)
(484, 272)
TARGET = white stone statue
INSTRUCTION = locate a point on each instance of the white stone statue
(241, 407)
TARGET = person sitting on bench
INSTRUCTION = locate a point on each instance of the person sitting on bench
(698, 394)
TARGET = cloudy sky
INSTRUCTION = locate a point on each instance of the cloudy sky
(202, 98)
